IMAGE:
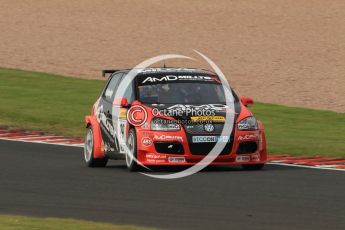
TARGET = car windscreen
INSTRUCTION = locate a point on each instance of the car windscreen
(181, 93)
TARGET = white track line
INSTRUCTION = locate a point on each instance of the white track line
(42, 142)
(305, 166)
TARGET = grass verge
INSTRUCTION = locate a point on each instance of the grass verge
(32, 223)
(299, 131)
(46, 102)
(57, 104)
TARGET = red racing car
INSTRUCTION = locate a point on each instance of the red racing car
(170, 116)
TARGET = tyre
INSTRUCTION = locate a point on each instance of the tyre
(253, 166)
(131, 155)
(88, 152)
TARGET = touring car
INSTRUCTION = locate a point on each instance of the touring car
(170, 116)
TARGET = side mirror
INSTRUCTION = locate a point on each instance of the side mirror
(122, 102)
(247, 101)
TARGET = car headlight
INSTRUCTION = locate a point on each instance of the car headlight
(248, 123)
(161, 124)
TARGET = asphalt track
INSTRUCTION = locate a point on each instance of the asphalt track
(49, 180)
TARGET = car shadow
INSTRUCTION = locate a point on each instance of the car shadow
(121, 165)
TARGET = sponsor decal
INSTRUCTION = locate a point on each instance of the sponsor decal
(168, 138)
(101, 118)
(176, 159)
(247, 137)
(148, 70)
(155, 161)
(203, 139)
(169, 78)
(209, 128)
(122, 137)
(216, 107)
(123, 113)
(122, 130)
(208, 118)
(146, 141)
(242, 158)
(155, 156)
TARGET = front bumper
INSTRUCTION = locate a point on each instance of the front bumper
(153, 149)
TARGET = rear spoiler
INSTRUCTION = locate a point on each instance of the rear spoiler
(109, 71)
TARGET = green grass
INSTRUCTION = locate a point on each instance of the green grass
(46, 102)
(56, 104)
(299, 131)
(30, 223)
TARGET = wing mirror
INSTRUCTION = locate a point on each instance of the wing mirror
(247, 101)
(122, 102)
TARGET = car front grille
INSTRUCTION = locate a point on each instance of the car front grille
(199, 128)
(205, 148)
(247, 147)
(169, 147)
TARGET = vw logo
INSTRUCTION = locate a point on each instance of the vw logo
(209, 128)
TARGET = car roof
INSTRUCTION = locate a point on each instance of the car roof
(169, 70)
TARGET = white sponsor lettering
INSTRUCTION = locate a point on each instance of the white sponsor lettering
(247, 137)
(174, 78)
(168, 138)
(243, 158)
(201, 139)
(176, 159)
(146, 141)
(100, 116)
(155, 156)
(217, 107)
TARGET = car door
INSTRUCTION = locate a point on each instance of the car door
(106, 104)
(120, 117)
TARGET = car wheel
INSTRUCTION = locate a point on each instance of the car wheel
(253, 166)
(88, 152)
(131, 154)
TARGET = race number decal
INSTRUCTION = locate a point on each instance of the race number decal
(122, 127)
